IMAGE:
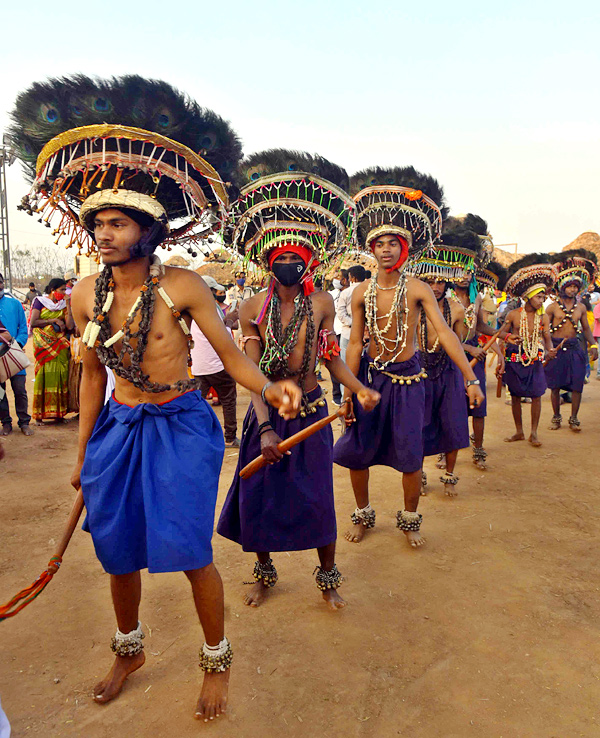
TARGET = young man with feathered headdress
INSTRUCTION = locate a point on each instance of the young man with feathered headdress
(469, 233)
(526, 331)
(399, 216)
(292, 218)
(149, 460)
(446, 421)
(577, 269)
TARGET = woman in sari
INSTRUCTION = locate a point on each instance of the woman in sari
(50, 320)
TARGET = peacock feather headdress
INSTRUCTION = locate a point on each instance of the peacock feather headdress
(530, 273)
(291, 197)
(399, 201)
(88, 144)
(578, 266)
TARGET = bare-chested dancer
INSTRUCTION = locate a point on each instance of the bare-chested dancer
(446, 426)
(289, 504)
(526, 331)
(149, 459)
(568, 318)
(394, 220)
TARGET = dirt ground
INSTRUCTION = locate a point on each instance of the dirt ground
(491, 631)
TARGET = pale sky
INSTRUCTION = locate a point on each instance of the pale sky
(498, 101)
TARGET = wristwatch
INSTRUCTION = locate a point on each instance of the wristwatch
(471, 382)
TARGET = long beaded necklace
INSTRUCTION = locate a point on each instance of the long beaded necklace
(469, 318)
(568, 316)
(97, 333)
(530, 342)
(432, 360)
(397, 344)
(280, 343)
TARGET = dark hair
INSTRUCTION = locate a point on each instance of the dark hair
(1, 277)
(32, 284)
(358, 273)
(367, 274)
(54, 284)
(344, 273)
(587, 302)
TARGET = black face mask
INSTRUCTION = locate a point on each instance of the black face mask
(220, 298)
(289, 273)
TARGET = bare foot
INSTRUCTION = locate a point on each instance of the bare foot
(516, 437)
(356, 533)
(112, 684)
(414, 538)
(213, 697)
(256, 595)
(450, 490)
(333, 599)
(533, 440)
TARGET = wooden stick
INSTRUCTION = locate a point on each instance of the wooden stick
(487, 346)
(499, 387)
(558, 348)
(260, 461)
(72, 521)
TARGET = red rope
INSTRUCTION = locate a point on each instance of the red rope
(27, 595)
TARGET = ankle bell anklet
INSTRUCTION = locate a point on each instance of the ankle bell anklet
(364, 516)
(266, 573)
(407, 520)
(216, 658)
(328, 579)
(128, 644)
(449, 478)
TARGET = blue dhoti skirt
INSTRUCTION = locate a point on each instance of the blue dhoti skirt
(523, 381)
(392, 433)
(287, 506)
(567, 371)
(149, 483)
(446, 426)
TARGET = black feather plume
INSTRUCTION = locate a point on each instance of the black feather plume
(275, 161)
(49, 108)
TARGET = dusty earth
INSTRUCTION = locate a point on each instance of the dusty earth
(491, 631)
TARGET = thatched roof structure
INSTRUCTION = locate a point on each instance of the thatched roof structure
(223, 273)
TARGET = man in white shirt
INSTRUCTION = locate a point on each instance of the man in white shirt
(208, 367)
(340, 282)
(343, 310)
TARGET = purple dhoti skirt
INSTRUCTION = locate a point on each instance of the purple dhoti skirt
(446, 426)
(567, 371)
(481, 410)
(523, 381)
(392, 433)
(286, 506)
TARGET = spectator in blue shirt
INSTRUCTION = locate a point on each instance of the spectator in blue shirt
(12, 317)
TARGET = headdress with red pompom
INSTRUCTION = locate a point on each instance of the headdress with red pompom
(398, 201)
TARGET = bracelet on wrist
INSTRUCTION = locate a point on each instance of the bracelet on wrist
(263, 392)
(264, 428)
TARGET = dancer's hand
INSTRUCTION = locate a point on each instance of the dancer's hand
(349, 416)
(551, 353)
(500, 369)
(286, 396)
(76, 476)
(368, 398)
(478, 353)
(268, 447)
(475, 395)
(594, 353)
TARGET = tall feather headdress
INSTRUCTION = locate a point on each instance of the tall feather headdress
(576, 265)
(398, 201)
(126, 142)
(291, 197)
